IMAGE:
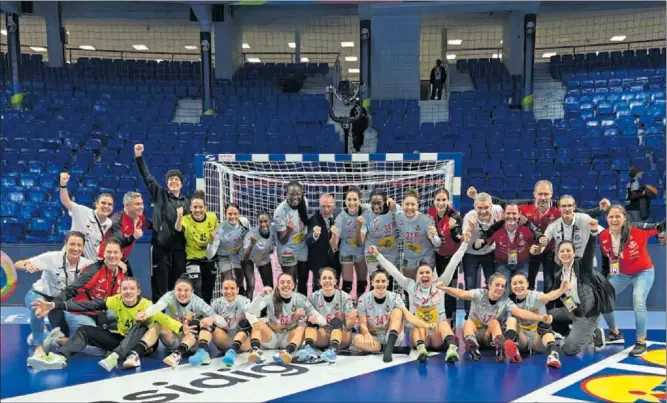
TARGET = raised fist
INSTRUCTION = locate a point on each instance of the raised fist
(317, 231)
(471, 192)
(64, 178)
(179, 211)
(334, 230)
(360, 221)
(138, 150)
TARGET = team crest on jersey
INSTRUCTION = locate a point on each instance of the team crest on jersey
(293, 308)
(387, 309)
(417, 228)
(336, 307)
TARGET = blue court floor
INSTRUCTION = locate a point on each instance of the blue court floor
(607, 376)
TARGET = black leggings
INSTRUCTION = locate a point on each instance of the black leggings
(104, 339)
(300, 273)
(471, 265)
(247, 272)
(266, 274)
(546, 260)
(204, 281)
(441, 263)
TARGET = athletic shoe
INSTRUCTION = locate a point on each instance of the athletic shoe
(598, 339)
(201, 357)
(110, 362)
(38, 355)
(256, 355)
(329, 356)
(615, 338)
(132, 361)
(51, 339)
(452, 354)
(639, 349)
(48, 361)
(472, 348)
(558, 336)
(422, 354)
(173, 359)
(283, 358)
(553, 360)
(30, 340)
(229, 358)
(512, 351)
(307, 354)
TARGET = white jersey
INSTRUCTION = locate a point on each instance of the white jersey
(339, 307)
(287, 320)
(197, 308)
(482, 311)
(57, 272)
(350, 251)
(229, 241)
(497, 214)
(417, 245)
(86, 220)
(380, 230)
(578, 232)
(532, 304)
(378, 314)
(295, 250)
(231, 313)
(261, 252)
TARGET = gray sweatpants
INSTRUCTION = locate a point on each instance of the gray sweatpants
(581, 332)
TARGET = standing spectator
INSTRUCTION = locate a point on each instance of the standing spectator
(626, 261)
(320, 253)
(638, 197)
(126, 227)
(92, 223)
(438, 78)
(168, 245)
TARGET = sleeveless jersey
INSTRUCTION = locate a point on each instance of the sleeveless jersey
(349, 250)
(195, 309)
(339, 307)
(261, 252)
(531, 303)
(380, 230)
(482, 311)
(295, 249)
(198, 234)
(414, 234)
(287, 320)
(231, 312)
(378, 314)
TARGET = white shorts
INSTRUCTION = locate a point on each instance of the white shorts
(413, 264)
(226, 263)
(289, 257)
(351, 258)
(373, 265)
(278, 341)
(532, 344)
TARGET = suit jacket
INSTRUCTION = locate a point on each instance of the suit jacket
(319, 250)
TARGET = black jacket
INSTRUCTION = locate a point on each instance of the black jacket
(164, 211)
(443, 74)
(319, 251)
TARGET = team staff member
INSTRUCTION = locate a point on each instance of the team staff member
(197, 228)
(168, 255)
(626, 261)
(320, 253)
(92, 223)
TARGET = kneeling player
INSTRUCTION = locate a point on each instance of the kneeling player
(381, 314)
(488, 308)
(337, 308)
(531, 336)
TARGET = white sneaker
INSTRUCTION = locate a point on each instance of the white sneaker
(30, 340)
(132, 361)
(48, 361)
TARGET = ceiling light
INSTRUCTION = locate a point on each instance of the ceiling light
(501, 41)
(3, 32)
(67, 32)
(246, 46)
(38, 49)
(140, 47)
(548, 54)
(347, 44)
(191, 47)
(254, 60)
(454, 42)
(291, 45)
(496, 56)
(353, 71)
(351, 58)
(86, 47)
(451, 57)
(617, 38)
(159, 60)
(305, 60)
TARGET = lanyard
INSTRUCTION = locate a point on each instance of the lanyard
(512, 242)
(76, 270)
(575, 229)
(99, 226)
(613, 255)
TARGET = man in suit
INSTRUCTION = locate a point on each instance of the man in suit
(319, 250)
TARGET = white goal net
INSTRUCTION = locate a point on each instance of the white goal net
(257, 183)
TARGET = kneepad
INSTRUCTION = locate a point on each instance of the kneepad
(544, 328)
(245, 326)
(336, 323)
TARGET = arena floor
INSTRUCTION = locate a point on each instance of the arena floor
(593, 377)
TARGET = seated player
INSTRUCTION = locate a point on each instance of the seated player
(182, 305)
(428, 303)
(127, 304)
(232, 329)
(381, 314)
(531, 336)
(286, 322)
(489, 307)
(337, 307)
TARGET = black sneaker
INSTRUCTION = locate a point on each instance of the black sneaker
(598, 339)
(639, 349)
(615, 338)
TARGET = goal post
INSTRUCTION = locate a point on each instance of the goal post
(255, 182)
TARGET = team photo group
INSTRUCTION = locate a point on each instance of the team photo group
(385, 277)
